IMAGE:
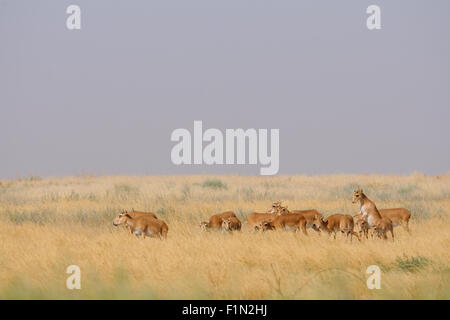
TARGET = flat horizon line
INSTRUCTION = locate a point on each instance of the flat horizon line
(32, 177)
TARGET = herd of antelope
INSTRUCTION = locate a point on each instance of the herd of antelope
(369, 220)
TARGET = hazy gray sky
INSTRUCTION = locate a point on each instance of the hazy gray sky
(105, 99)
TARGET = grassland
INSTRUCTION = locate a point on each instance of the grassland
(49, 224)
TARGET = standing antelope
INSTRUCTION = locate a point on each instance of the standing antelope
(136, 214)
(371, 214)
(361, 225)
(143, 225)
(398, 216)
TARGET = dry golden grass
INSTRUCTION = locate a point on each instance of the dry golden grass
(49, 224)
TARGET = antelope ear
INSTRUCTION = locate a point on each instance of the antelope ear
(127, 215)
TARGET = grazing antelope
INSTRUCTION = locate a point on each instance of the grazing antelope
(215, 222)
(231, 224)
(143, 225)
(135, 214)
(255, 219)
(310, 216)
(371, 214)
(383, 227)
(289, 221)
(337, 222)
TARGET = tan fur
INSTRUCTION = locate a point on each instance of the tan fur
(361, 226)
(286, 221)
(276, 206)
(383, 227)
(255, 219)
(215, 222)
(231, 224)
(135, 214)
(398, 216)
(371, 214)
(144, 225)
(283, 210)
(337, 222)
(310, 215)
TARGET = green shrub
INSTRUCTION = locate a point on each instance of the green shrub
(73, 196)
(412, 264)
(186, 192)
(214, 184)
(124, 191)
(39, 218)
